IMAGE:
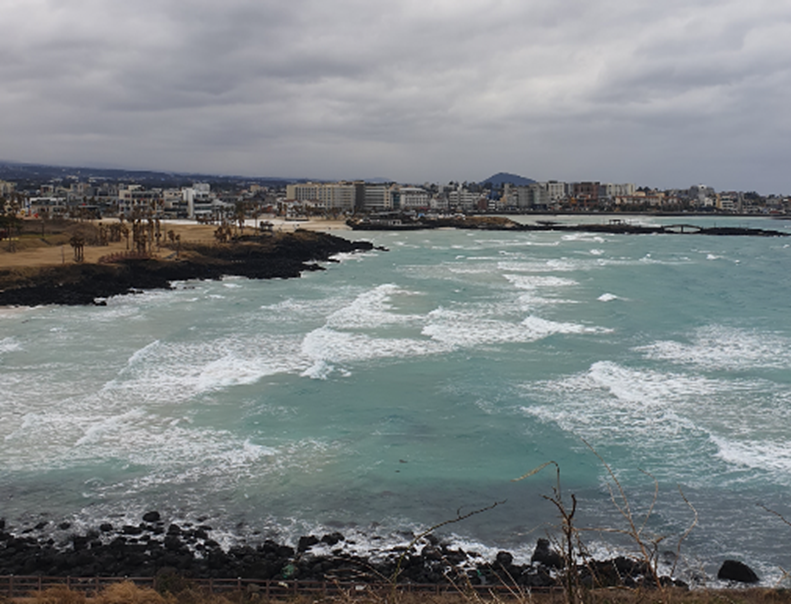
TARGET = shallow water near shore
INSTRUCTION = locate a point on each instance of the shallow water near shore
(397, 388)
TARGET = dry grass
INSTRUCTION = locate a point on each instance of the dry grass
(128, 593)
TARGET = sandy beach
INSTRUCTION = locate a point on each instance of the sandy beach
(50, 254)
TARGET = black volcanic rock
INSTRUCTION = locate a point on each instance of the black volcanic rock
(115, 554)
(152, 516)
(282, 255)
(733, 570)
(546, 556)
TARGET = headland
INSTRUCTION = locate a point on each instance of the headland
(96, 267)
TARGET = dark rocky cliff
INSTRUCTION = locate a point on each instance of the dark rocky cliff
(282, 255)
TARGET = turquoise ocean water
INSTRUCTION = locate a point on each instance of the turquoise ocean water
(396, 388)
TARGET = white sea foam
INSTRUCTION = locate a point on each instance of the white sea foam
(329, 345)
(371, 309)
(580, 236)
(176, 372)
(607, 298)
(727, 348)
(9, 345)
(642, 409)
(320, 370)
(766, 456)
(532, 282)
(462, 330)
(349, 256)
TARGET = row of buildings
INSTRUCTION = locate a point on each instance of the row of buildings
(538, 196)
(201, 200)
(114, 199)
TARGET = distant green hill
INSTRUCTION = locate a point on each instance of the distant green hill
(501, 178)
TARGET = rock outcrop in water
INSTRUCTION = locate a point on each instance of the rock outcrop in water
(500, 223)
(280, 255)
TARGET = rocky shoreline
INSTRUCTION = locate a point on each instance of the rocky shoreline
(145, 549)
(280, 255)
(154, 546)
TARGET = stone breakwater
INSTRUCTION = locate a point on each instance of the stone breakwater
(282, 255)
(499, 223)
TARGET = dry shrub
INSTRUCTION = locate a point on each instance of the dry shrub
(199, 596)
(129, 593)
(58, 595)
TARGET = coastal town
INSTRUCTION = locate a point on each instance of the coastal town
(86, 194)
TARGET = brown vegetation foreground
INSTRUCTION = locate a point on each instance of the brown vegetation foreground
(182, 592)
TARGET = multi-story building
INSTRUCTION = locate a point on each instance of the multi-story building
(463, 200)
(556, 191)
(413, 198)
(7, 188)
(330, 196)
(611, 191)
(586, 192)
(133, 198)
(380, 198)
(532, 195)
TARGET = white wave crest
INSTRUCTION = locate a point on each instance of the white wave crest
(719, 347)
(9, 345)
(772, 456)
(532, 282)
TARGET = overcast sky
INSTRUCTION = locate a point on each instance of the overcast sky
(665, 93)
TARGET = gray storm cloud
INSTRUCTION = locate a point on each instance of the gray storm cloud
(667, 94)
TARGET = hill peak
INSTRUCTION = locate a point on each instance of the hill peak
(502, 178)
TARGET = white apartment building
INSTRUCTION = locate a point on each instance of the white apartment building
(413, 198)
(330, 196)
(556, 191)
(611, 191)
(198, 199)
(380, 198)
(462, 199)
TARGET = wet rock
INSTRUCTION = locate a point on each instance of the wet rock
(152, 516)
(431, 554)
(544, 554)
(306, 542)
(332, 539)
(504, 559)
(431, 539)
(174, 529)
(733, 570)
